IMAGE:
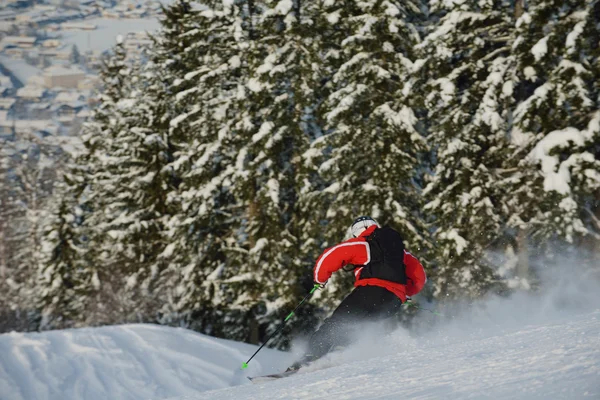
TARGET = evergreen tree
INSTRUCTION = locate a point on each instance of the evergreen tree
(75, 239)
(135, 189)
(127, 157)
(274, 126)
(468, 95)
(204, 82)
(75, 56)
(59, 273)
(102, 298)
(29, 174)
(371, 156)
(7, 210)
(556, 135)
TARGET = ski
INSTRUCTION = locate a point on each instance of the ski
(271, 377)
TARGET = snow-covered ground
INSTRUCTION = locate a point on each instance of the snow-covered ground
(560, 360)
(121, 362)
(528, 346)
(105, 35)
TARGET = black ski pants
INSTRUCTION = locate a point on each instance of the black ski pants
(364, 304)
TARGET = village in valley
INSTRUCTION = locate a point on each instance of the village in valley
(50, 56)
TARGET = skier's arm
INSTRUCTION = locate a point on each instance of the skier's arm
(354, 251)
(415, 274)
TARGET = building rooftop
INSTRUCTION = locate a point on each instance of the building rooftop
(7, 14)
(68, 97)
(7, 102)
(30, 124)
(19, 39)
(31, 92)
(35, 80)
(6, 26)
(5, 82)
(59, 70)
(78, 25)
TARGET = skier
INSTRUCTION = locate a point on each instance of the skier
(385, 275)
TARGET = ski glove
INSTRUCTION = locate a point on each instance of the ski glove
(321, 285)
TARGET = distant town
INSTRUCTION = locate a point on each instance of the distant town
(50, 56)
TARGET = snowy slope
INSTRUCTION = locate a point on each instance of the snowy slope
(559, 360)
(543, 345)
(120, 363)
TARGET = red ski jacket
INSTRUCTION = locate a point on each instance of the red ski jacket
(356, 251)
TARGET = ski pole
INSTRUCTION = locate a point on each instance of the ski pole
(411, 304)
(245, 365)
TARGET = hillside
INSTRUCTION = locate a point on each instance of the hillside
(559, 360)
(529, 346)
(124, 362)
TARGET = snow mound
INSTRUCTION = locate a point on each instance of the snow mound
(123, 362)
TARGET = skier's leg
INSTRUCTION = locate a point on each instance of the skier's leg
(363, 304)
(334, 330)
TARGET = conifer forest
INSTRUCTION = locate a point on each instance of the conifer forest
(216, 168)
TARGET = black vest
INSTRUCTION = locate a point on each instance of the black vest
(387, 256)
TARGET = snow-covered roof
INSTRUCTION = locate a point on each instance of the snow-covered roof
(85, 113)
(51, 43)
(31, 92)
(6, 103)
(74, 105)
(42, 105)
(78, 25)
(59, 70)
(68, 97)
(6, 26)
(44, 7)
(65, 119)
(7, 14)
(22, 125)
(36, 81)
(5, 82)
(19, 40)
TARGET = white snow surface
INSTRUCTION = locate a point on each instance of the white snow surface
(554, 361)
(528, 346)
(138, 361)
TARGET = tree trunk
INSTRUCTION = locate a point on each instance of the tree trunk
(254, 331)
(519, 8)
(523, 255)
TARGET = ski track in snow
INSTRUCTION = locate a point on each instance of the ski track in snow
(560, 360)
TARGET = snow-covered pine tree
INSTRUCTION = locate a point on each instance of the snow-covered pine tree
(136, 182)
(125, 199)
(60, 277)
(205, 70)
(371, 155)
(554, 174)
(103, 285)
(467, 91)
(274, 126)
(29, 173)
(8, 209)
